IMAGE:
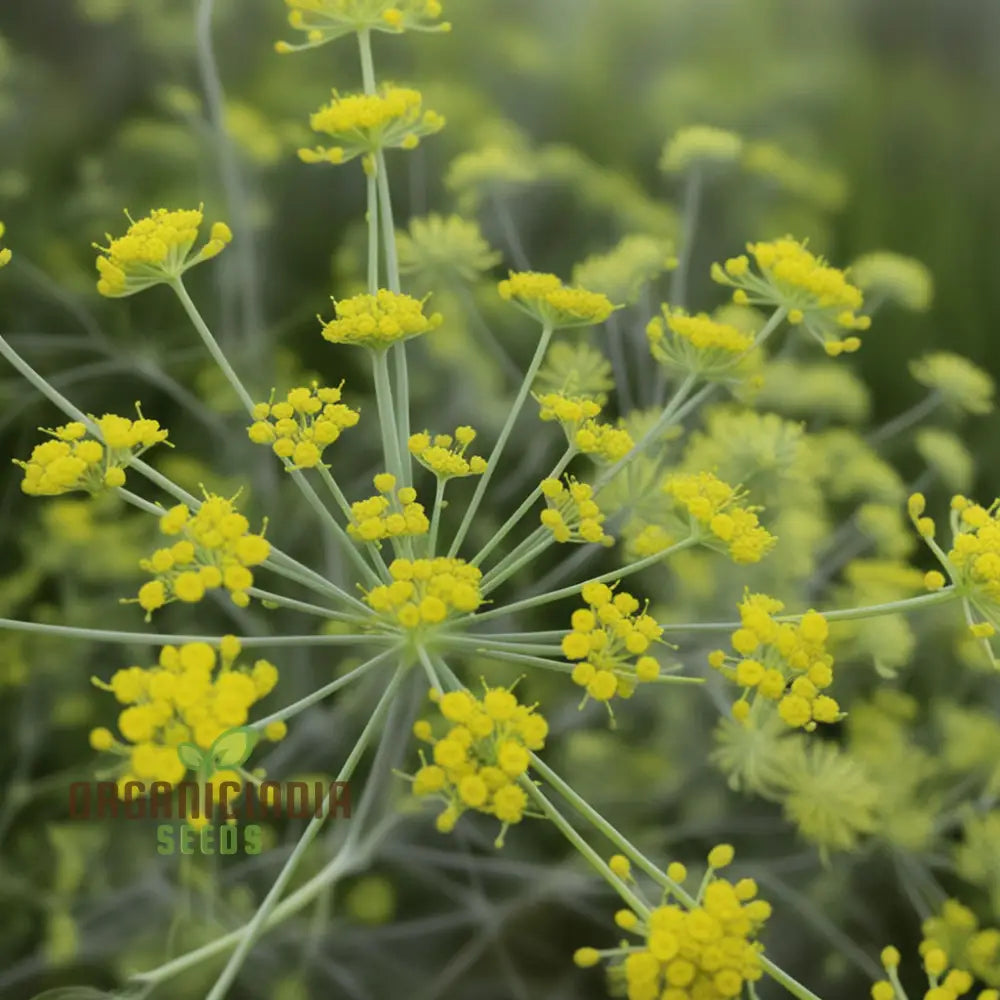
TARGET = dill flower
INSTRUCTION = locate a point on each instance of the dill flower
(362, 124)
(303, 425)
(575, 414)
(945, 979)
(716, 506)
(425, 592)
(623, 271)
(611, 639)
(156, 249)
(696, 344)
(437, 248)
(963, 385)
(72, 460)
(574, 368)
(391, 513)
(892, 276)
(325, 21)
(483, 756)
(552, 303)
(700, 145)
(829, 796)
(816, 295)
(822, 389)
(444, 454)
(706, 951)
(192, 695)
(216, 549)
(571, 514)
(5, 254)
(955, 930)
(379, 321)
(780, 662)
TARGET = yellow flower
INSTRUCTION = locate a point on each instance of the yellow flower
(552, 303)
(815, 295)
(895, 277)
(362, 124)
(5, 254)
(700, 145)
(963, 385)
(697, 344)
(156, 249)
(479, 761)
(303, 425)
(379, 321)
(73, 461)
(323, 21)
(425, 592)
(571, 514)
(444, 454)
(716, 506)
(390, 513)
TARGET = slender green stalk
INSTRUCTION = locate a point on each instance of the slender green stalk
(211, 344)
(166, 639)
(386, 415)
(555, 595)
(303, 606)
(324, 692)
(515, 410)
(905, 420)
(257, 924)
(567, 668)
(372, 216)
(542, 541)
(515, 518)
(436, 515)
(346, 542)
(428, 666)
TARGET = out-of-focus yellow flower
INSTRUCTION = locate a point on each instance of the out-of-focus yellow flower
(700, 145)
(892, 276)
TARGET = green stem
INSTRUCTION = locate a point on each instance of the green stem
(386, 415)
(514, 518)
(542, 541)
(372, 216)
(257, 924)
(556, 595)
(567, 668)
(311, 699)
(211, 344)
(436, 516)
(529, 378)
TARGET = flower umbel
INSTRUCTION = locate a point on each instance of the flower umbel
(611, 638)
(216, 549)
(571, 513)
(818, 296)
(324, 21)
(552, 303)
(378, 321)
(73, 461)
(391, 513)
(696, 344)
(478, 762)
(154, 250)
(362, 124)
(425, 592)
(306, 422)
(444, 454)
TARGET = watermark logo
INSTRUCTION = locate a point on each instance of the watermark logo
(197, 802)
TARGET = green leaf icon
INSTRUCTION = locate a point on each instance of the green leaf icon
(233, 747)
(190, 755)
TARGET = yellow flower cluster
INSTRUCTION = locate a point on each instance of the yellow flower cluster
(715, 505)
(705, 952)
(5, 254)
(956, 931)
(943, 982)
(696, 344)
(184, 698)
(386, 515)
(552, 303)
(216, 549)
(155, 249)
(72, 461)
(603, 442)
(611, 639)
(326, 20)
(362, 124)
(303, 425)
(436, 249)
(780, 662)
(379, 321)
(444, 454)
(700, 145)
(963, 385)
(816, 295)
(426, 591)
(571, 513)
(478, 762)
